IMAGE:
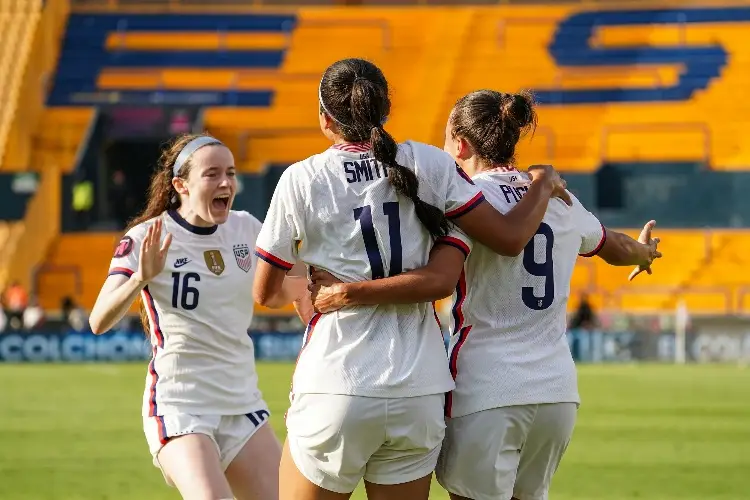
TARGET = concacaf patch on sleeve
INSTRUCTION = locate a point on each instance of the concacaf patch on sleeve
(464, 175)
(124, 247)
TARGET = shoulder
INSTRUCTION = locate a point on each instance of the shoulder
(298, 176)
(243, 220)
(131, 239)
(428, 161)
(422, 152)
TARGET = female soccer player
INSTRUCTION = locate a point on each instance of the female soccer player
(514, 406)
(368, 391)
(188, 256)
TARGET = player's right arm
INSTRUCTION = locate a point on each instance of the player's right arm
(276, 246)
(129, 273)
(434, 281)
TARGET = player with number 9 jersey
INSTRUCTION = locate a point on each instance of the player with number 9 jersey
(512, 413)
(368, 389)
(189, 258)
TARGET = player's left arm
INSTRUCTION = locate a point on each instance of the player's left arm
(619, 249)
(435, 281)
(616, 249)
(276, 248)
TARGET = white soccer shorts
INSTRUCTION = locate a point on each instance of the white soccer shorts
(337, 440)
(229, 433)
(506, 452)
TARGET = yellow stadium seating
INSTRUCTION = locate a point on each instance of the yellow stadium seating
(21, 151)
(63, 134)
(505, 48)
(10, 234)
(18, 22)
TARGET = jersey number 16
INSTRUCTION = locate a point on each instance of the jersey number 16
(184, 295)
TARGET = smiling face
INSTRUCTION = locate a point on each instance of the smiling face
(208, 192)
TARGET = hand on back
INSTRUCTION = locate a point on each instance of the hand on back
(547, 173)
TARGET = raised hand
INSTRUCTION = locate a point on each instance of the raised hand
(153, 253)
(653, 253)
(548, 173)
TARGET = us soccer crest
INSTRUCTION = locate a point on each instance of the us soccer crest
(214, 261)
(243, 257)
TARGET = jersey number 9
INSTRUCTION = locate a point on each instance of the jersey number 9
(188, 299)
(544, 270)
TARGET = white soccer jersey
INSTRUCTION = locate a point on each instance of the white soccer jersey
(337, 211)
(199, 308)
(508, 344)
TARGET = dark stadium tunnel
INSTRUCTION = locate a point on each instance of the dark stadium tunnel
(137, 159)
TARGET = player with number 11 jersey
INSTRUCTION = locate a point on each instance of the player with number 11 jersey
(368, 389)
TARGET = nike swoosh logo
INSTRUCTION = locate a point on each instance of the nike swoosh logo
(180, 264)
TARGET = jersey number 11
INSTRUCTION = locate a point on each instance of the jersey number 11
(364, 216)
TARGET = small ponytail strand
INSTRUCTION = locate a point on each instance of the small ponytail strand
(406, 183)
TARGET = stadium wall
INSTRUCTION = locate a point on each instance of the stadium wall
(615, 84)
(702, 346)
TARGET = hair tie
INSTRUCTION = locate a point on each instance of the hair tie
(190, 148)
(323, 105)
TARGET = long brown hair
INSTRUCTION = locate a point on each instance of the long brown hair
(162, 195)
(493, 123)
(354, 93)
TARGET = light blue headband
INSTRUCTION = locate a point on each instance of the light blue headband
(190, 148)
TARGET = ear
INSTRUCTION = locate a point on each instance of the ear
(180, 185)
(465, 151)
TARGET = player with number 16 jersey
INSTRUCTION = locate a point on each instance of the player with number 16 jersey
(188, 257)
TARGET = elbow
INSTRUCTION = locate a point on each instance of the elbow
(511, 248)
(261, 299)
(97, 328)
(444, 287)
(264, 298)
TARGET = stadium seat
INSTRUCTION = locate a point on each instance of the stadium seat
(17, 28)
(604, 96)
(10, 234)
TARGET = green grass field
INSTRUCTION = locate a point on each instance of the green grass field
(655, 432)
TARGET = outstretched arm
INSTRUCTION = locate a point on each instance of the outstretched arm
(434, 281)
(619, 249)
(130, 272)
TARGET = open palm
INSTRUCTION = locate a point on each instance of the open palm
(153, 253)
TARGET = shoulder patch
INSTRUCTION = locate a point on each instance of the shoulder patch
(124, 247)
